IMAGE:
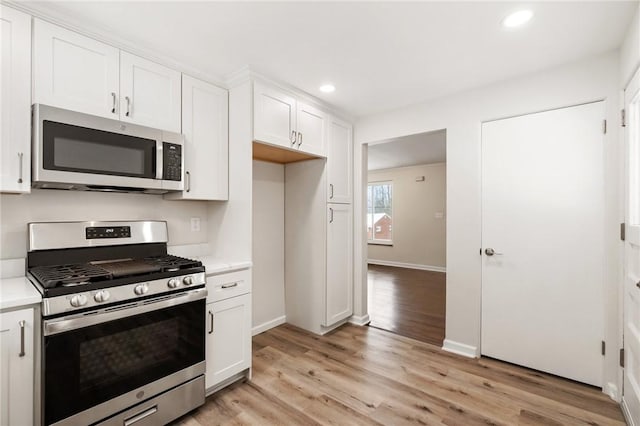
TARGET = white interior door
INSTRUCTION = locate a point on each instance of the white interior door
(631, 386)
(542, 203)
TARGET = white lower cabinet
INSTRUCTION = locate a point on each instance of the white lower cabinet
(339, 289)
(16, 367)
(228, 326)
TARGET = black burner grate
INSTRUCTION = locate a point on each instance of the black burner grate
(53, 276)
(170, 263)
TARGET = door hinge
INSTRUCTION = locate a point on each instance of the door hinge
(604, 126)
(622, 357)
(623, 231)
(623, 117)
(603, 348)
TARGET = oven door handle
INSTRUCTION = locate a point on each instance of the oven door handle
(73, 322)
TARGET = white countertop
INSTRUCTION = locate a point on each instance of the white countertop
(17, 292)
(215, 266)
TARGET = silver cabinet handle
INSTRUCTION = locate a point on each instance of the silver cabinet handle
(210, 322)
(188, 181)
(230, 285)
(146, 413)
(21, 323)
(331, 191)
(293, 138)
(126, 98)
(113, 104)
(331, 218)
(20, 157)
(299, 137)
(491, 252)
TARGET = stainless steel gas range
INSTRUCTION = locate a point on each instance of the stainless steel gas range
(123, 339)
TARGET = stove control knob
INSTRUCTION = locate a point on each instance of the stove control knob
(78, 300)
(188, 280)
(101, 296)
(173, 283)
(141, 289)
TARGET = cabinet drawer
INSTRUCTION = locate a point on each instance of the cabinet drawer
(224, 286)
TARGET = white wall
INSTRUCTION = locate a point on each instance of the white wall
(630, 50)
(461, 115)
(58, 205)
(419, 236)
(268, 245)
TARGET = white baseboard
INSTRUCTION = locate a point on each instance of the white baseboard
(460, 349)
(627, 413)
(268, 325)
(611, 389)
(360, 320)
(407, 265)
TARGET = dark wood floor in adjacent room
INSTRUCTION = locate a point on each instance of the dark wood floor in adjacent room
(365, 376)
(409, 302)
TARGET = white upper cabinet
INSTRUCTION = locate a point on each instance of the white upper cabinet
(149, 93)
(280, 119)
(74, 72)
(311, 129)
(339, 162)
(205, 124)
(339, 287)
(274, 116)
(15, 101)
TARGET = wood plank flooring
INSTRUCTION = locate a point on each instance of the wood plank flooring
(366, 376)
(409, 302)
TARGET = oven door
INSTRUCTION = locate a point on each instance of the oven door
(81, 149)
(99, 363)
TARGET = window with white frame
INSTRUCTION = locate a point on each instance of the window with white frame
(379, 212)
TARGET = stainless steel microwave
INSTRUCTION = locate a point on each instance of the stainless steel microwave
(72, 150)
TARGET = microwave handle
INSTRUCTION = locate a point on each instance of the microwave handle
(159, 166)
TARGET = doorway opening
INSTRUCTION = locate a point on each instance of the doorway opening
(406, 235)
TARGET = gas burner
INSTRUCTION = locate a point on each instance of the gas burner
(69, 275)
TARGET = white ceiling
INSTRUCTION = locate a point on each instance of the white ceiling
(412, 150)
(379, 55)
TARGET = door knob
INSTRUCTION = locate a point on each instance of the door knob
(491, 252)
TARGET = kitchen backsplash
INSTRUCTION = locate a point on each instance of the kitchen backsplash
(54, 205)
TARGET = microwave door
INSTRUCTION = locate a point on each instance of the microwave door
(87, 152)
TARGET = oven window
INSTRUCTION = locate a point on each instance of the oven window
(91, 365)
(78, 149)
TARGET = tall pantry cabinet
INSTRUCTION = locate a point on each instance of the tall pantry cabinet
(319, 235)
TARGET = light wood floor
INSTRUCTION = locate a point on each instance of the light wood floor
(409, 302)
(364, 376)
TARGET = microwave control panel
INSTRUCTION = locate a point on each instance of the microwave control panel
(171, 161)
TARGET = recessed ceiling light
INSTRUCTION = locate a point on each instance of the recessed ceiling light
(327, 88)
(517, 19)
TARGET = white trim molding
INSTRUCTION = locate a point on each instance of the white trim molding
(261, 328)
(626, 413)
(612, 390)
(360, 320)
(407, 265)
(460, 349)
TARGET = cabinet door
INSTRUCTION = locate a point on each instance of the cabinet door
(149, 93)
(274, 115)
(205, 124)
(16, 367)
(74, 72)
(228, 349)
(312, 129)
(15, 100)
(339, 161)
(339, 286)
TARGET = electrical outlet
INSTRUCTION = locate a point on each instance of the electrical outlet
(195, 224)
